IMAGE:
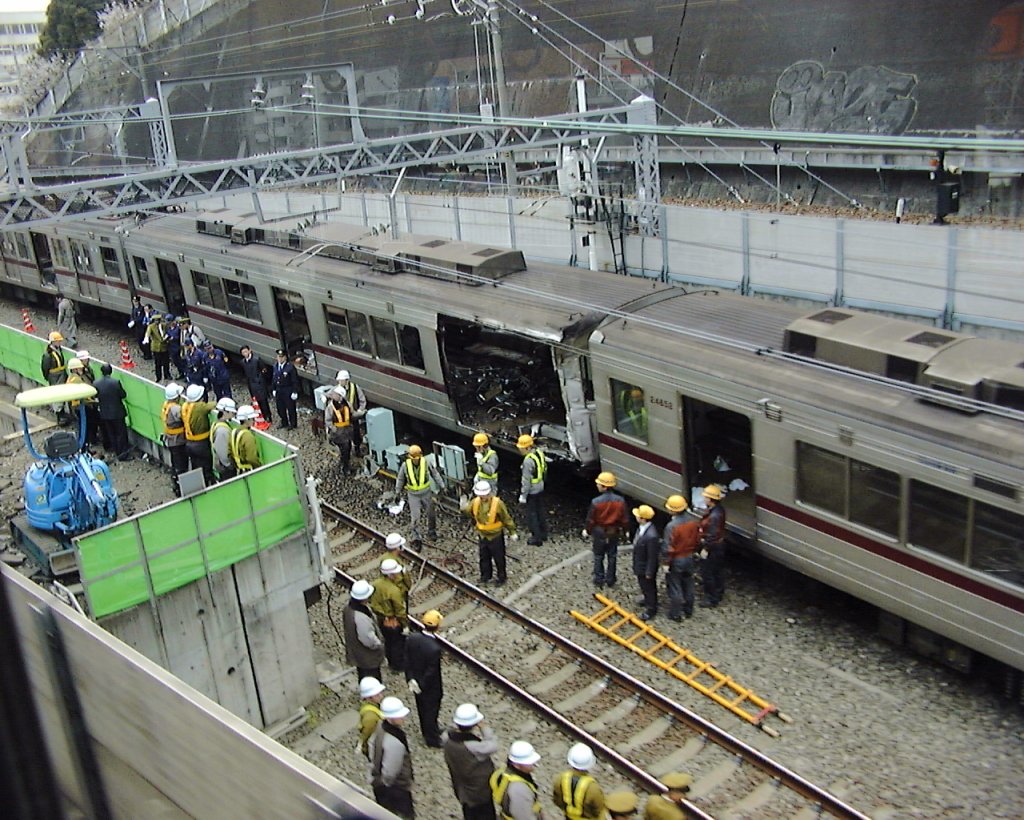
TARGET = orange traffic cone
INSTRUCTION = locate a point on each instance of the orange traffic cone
(126, 356)
(27, 320)
(260, 423)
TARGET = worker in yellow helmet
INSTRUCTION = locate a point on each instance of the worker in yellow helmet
(607, 522)
(419, 479)
(646, 556)
(423, 674)
(531, 488)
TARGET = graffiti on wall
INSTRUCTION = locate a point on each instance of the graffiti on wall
(869, 99)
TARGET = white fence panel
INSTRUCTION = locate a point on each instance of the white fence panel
(792, 254)
(705, 245)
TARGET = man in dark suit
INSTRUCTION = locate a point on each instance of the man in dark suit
(255, 376)
(285, 386)
(646, 554)
(110, 398)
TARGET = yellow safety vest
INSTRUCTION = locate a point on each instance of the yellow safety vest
(499, 783)
(186, 417)
(542, 466)
(482, 474)
(233, 444)
(424, 478)
(342, 417)
(492, 524)
(573, 798)
(164, 411)
(58, 361)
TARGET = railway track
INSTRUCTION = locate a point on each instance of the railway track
(636, 729)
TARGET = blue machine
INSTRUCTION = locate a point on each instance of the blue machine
(68, 491)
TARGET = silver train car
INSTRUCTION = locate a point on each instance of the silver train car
(878, 456)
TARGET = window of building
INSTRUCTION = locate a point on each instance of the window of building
(629, 408)
(111, 267)
(385, 340)
(209, 290)
(938, 520)
(141, 273)
(242, 300)
(80, 257)
(337, 327)
(997, 543)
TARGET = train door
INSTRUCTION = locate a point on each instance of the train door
(44, 259)
(170, 281)
(295, 335)
(85, 273)
(718, 450)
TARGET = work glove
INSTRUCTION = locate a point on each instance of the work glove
(463, 500)
(295, 396)
(414, 687)
(584, 533)
(479, 457)
(522, 498)
(131, 323)
(514, 537)
(703, 554)
(273, 394)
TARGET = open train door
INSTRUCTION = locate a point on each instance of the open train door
(170, 281)
(44, 259)
(295, 336)
(718, 450)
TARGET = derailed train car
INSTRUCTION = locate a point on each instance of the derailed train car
(844, 438)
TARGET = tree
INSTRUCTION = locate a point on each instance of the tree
(69, 25)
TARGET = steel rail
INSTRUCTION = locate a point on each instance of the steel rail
(824, 800)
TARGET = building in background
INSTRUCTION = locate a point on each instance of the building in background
(21, 22)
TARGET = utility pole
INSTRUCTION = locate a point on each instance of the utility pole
(494, 28)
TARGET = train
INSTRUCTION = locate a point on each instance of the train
(879, 456)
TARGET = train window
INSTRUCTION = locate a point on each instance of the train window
(384, 337)
(60, 253)
(242, 300)
(337, 327)
(81, 258)
(409, 342)
(938, 520)
(997, 543)
(821, 478)
(630, 409)
(111, 267)
(209, 290)
(141, 273)
(874, 497)
(24, 250)
(359, 331)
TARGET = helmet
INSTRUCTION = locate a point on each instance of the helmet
(636, 393)
(391, 708)
(184, 320)
(644, 512)
(370, 686)
(676, 504)
(245, 413)
(343, 376)
(466, 715)
(481, 489)
(172, 391)
(168, 317)
(194, 392)
(394, 541)
(621, 802)
(415, 450)
(522, 753)
(361, 590)
(481, 440)
(83, 354)
(226, 405)
(55, 337)
(677, 781)
(714, 492)
(389, 566)
(606, 479)
(581, 757)
(525, 440)
(75, 364)
(432, 618)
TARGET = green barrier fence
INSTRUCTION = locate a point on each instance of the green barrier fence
(134, 560)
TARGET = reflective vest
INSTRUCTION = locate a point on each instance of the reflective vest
(411, 482)
(57, 357)
(342, 415)
(487, 455)
(542, 466)
(573, 797)
(186, 417)
(234, 448)
(164, 411)
(213, 434)
(492, 524)
(350, 394)
(500, 781)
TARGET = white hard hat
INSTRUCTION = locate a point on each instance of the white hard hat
(369, 686)
(581, 756)
(482, 488)
(389, 566)
(194, 392)
(522, 753)
(245, 413)
(226, 405)
(467, 715)
(83, 354)
(361, 590)
(172, 391)
(394, 541)
(393, 708)
(343, 376)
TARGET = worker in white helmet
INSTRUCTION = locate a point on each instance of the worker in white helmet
(356, 399)
(576, 792)
(174, 432)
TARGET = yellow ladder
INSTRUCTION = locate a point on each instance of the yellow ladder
(616, 623)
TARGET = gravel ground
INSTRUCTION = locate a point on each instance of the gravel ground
(895, 735)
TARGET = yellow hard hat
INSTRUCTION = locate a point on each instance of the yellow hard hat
(636, 393)
(481, 440)
(525, 440)
(643, 511)
(623, 802)
(677, 781)
(415, 450)
(606, 479)
(714, 492)
(432, 618)
(676, 504)
(75, 364)
(55, 337)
